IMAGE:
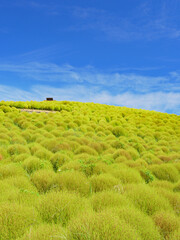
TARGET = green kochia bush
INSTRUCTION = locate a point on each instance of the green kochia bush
(32, 164)
(146, 198)
(165, 172)
(43, 179)
(167, 223)
(15, 219)
(73, 181)
(58, 159)
(60, 207)
(18, 149)
(143, 224)
(86, 149)
(45, 232)
(105, 225)
(11, 169)
(127, 175)
(105, 199)
(103, 182)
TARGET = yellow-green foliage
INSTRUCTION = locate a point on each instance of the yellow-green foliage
(45, 232)
(86, 149)
(143, 224)
(44, 180)
(11, 169)
(73, 181)
(103, 182)
(105, 199)
(146, 198)
(166, 222)
(88, 171)
(17, 149)
(32, 164)
(165, 172)
(105, 225)
(58, 159)
(15, 219)
(177, 187)
(60, 207)
(175, 235)
(127, 175)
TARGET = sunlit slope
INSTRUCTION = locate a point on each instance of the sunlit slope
(88, 172)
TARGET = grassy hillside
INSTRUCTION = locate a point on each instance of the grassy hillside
(88, 172)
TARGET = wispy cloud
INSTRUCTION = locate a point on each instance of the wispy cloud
(158, 101)
(120, 81)
(150, 20)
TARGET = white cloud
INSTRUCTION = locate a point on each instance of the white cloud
(119, 80)
(158, 101)
(150, 20)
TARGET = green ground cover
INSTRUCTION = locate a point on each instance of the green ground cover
(88, 172)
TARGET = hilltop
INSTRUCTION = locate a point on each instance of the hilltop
(88, 172)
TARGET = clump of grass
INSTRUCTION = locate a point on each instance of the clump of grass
(162, 184)
(73, 181)
(177, 187)
(58, 159)
(60, 207)
(86, 149)
(127, 175)
(166, 222)
(165, 172)
(101, 167)
(45, 232)
(43, 154)
(119, 131)
(32, 164)
(133, 152)
(18, 140)
(172, 197)
(18, 149)
(15, 219)
(102, 182)
(43, 179)
(8, 193)
(122, 152)
(107, 199)
(20, 158)
(11, 169)
(175, 235)
(104, 225)
(151, 158)
(72, 165)
(20, 182)
(146, 198)
(143, 224)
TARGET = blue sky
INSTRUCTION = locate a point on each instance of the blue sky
(124, 53)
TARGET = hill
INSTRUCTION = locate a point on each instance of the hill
(88, 172)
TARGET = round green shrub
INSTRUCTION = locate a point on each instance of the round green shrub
(104, 225)
(143, 224)
(18, 149)
(146, 198)
(58, 159)
(166, 222)
(11, 169)
(60, 207)
(15, 219)
(165, 172)
(106, 199)
(73, 181)
(43, 179)
(45, 232)
(32, 164)
(102, 182)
